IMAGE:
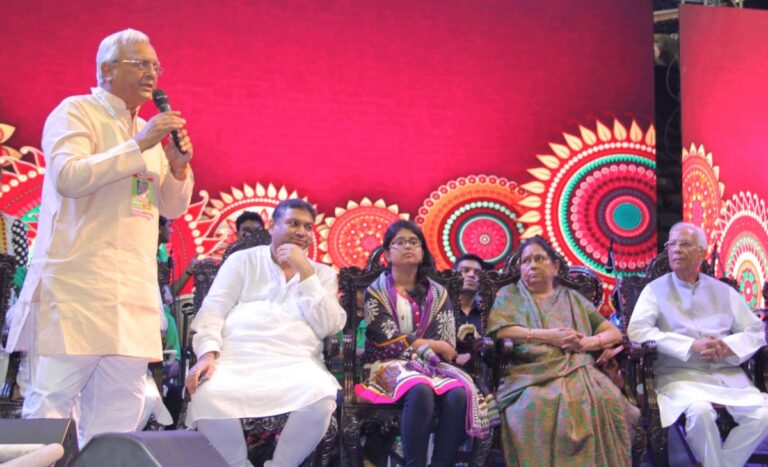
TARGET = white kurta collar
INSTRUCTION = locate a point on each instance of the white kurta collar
(681, 284)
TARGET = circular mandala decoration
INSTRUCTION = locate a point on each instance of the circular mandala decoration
(350, 236)
(702, 190)
(211, 222)
(473, 214)
(744, 244)
(596, 187)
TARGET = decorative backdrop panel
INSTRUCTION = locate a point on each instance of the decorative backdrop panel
(483, 121)
(723, 76)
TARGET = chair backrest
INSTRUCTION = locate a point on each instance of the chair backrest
(353, 279)
(251, 238)
(7, 270)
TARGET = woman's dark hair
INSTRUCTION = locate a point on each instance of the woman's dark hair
(543, 243)
(427, 262)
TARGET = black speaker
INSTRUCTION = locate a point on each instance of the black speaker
(42, 430)
(150, 449)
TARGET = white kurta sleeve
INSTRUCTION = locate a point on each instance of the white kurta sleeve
(222, 297)
(174, 195)
(319, 302)
(643, 326)
(69, 141)
(748, 331)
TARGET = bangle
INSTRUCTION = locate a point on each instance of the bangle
(600, 341)
(529, 339)
(179, 173)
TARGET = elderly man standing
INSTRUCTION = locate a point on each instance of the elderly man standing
(259, 339)
(88, 310)
(703, 332)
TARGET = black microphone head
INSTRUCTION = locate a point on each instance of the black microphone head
(161, 100)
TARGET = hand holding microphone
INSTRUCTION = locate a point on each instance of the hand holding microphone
(179, 151)
(163, 105)
(158, 127)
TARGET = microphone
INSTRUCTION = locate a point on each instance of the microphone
(161, 101)
(609, 264)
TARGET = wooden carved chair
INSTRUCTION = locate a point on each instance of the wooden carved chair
(625, 298)
(584, 281)
(357, 415)
(9, 407)
(204, 273)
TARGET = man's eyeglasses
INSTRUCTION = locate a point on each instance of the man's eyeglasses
(401, 243)
(145, 66)
(682, 244)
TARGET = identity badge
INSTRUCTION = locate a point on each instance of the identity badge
(142, 195)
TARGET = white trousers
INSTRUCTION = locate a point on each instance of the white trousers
(109, 391)
(704, 438)
(303, 431)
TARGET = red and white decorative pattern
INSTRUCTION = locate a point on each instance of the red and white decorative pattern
(349, 237)
(702, 191)
(743, 227)
(473, 214)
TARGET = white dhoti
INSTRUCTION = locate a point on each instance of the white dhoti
(748, 407)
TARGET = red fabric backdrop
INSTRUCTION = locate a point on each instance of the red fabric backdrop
(340, 100)
(484, 121)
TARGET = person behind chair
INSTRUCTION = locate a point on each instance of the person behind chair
(703, 332)
(558, 408)
(259, 336)
(247, 223)
(89, 306)
(408, 316)
(468, 320)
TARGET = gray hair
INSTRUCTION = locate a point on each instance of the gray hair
(698, 232)
(110, 47)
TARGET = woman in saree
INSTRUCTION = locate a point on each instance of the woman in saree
(410, 333)
(557, 407)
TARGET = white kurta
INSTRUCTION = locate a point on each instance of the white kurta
(674, 314)
(94, 271)
(269, 333)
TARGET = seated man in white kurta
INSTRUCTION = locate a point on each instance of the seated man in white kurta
(703, 332)
(259, 339)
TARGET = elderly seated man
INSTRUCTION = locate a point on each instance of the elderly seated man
(259, 339)
(703, 332)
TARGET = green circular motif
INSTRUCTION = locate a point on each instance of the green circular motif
(627, 216)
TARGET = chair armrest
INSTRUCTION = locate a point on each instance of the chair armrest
(480, 366)
(330, 349)
(350, 361)
(504, 352)
(761, 368)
